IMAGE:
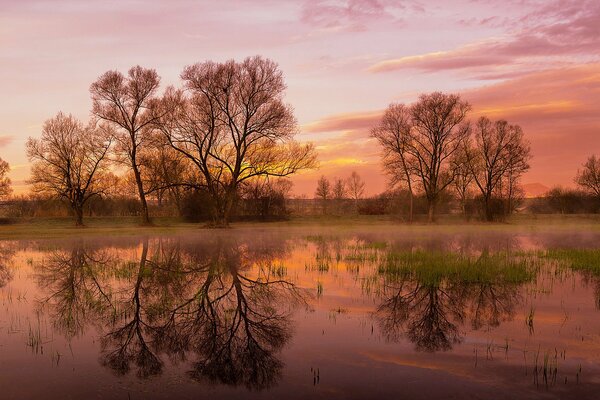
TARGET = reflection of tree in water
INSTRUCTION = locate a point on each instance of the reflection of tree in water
(223, 305)
(427, 313)
(76, 293)
(6, 254)
(430, 307)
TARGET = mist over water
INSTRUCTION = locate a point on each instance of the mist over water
(361, 312)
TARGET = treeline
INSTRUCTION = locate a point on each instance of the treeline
(222, 144)
(225, 134)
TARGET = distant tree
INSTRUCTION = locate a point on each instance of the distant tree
(463, 179)
(419, 141)
(323, 190)
(128, 103)
(356, 186)
(339, 189)
(498, 156)
(438, 129)
(68, 160)
(589, 177)
(5, 183)
(233, 125)
(394, 136)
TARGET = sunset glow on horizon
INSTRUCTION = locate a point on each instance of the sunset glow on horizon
(534, 63)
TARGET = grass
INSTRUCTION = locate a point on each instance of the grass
(433, 267)
(33, 228)
(578, 259)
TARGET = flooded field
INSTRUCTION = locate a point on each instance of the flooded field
(300, 313)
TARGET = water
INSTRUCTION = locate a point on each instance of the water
(303, 313)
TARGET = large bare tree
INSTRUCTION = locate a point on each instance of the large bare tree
(128, 104)
(395, 137)
(498, 155)
(5, 182)
(233, 124)
(438, 129)
(589, 177)
(68, 160)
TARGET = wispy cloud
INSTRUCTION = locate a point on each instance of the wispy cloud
(563, 31)
(6, 140)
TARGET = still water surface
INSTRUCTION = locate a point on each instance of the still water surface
(303, 313)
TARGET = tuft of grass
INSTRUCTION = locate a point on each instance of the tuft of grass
(587, 260)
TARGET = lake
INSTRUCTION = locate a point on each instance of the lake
(297, 313)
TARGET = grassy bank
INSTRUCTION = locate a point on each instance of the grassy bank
(111, 226)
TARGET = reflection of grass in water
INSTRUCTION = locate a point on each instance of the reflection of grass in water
(434, 266)
(577, 259)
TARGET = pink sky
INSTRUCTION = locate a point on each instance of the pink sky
(535, 63)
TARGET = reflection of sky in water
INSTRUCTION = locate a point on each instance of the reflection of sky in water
(296, 313)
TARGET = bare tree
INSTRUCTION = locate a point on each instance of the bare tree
(438, 129)
(5, 182)
(589, 177)
(394, 136)
(463, 178)
(339, 189)
(498, 156)
(169, 173)
(356, 186)
(323, 190)
(68, 161)
(233, 125)
(128, 103)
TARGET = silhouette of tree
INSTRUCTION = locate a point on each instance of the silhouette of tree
(394, 136)
(323, 192)
(419, 141)
(128, 104)
(5, 182)
(439, 128)
(498, 155)
(589, 177)
(68, 161)
(234, 126)
(356, 188)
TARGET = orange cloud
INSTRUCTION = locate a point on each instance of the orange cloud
(344, 122)
(5, 140)
(558, 110)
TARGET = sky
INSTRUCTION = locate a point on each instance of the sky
(534, 63)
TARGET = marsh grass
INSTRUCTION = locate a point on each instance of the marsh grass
(587, 260)
(432, 267)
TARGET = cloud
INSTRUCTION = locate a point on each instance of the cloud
(6, 140)
(344, 122)
(348, 15)
(558, 31)
(558, 110)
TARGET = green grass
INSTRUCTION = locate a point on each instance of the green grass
(434, 267)
(577, 259)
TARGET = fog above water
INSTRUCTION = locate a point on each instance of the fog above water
(300, 312)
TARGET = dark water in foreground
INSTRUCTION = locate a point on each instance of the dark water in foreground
(302, 314)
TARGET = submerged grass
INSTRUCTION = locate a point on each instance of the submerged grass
(432, 267)
(587, 260)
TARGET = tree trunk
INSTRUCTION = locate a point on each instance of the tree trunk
(431, 211)
(223, 210)
(142, 194)
(410, 206)
(489, 215)
(78, 210)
